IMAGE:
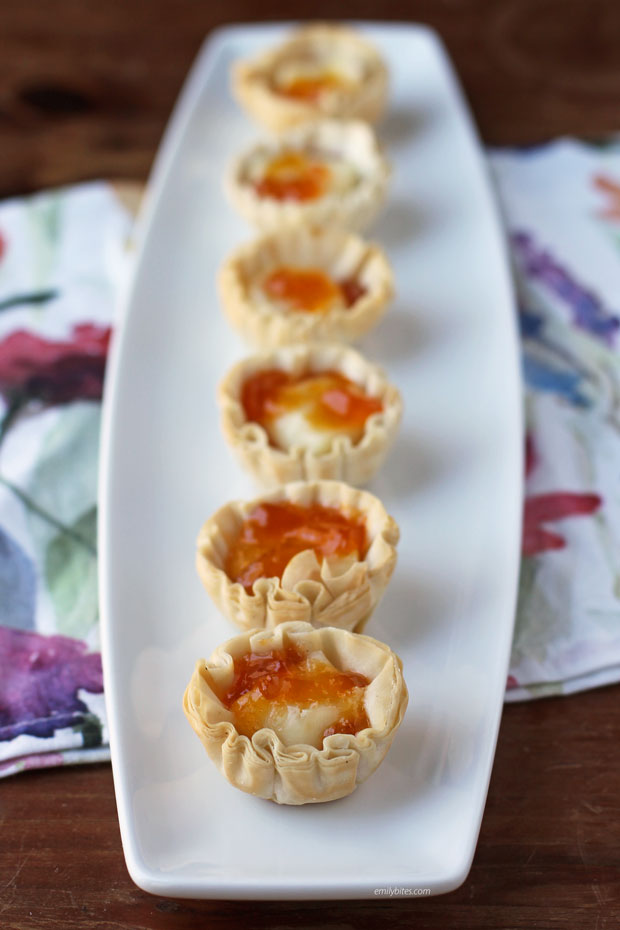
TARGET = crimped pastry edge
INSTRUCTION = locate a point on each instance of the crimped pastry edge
(354, 463)
(325, 595)
(252, 85)
(332, 250)
(299, 774)
(353, 209)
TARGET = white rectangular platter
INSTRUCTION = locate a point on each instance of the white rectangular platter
(453, 483)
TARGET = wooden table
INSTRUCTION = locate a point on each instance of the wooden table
(86, 90)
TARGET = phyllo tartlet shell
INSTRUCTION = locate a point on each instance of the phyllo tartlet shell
(255, 81)
(342, 460)
(337, 592)
(339, 254)
(300, 773)
(350, 143)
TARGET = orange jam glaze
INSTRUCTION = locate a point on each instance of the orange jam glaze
(310, 289)
(275, 532)
(329, 400)
(293, 176)
(312, 88)
(289, 677)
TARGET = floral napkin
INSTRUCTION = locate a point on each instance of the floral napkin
(561, 205)
(63, 255)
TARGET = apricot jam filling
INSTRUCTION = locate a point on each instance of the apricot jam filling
(328, 401)
(311, 87)
(309, 289)
(304, 698)
(274, 533)
(294, 176)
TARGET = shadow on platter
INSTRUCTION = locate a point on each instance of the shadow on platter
(401, 124)
(412, 466)
(394, 339)
(399, 223)
(413, 611)
(427, 752)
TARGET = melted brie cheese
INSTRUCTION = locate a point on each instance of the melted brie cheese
(293, 429)
(310, 81)
(292, 723)
(263, 301)
(310, 706)
(342, 174)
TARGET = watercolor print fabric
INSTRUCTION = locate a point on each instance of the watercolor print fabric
(561, 205)
(62, 258)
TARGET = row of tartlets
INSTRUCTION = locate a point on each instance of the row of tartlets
(301, 707)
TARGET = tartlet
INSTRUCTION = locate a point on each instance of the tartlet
(328, 173)
(320, 71)
(305, 285)
(286, 580)
(294, 767)
(303, 413)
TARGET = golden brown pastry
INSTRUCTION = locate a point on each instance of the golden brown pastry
(321, 552)
(303, 285)
(297, 715)
(303, 413)
(329, 173)
(320, 71)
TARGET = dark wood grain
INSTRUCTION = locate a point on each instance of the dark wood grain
(85, 92)
(548, 855)
(87, 87)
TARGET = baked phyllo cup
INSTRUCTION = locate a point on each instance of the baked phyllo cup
(297, 715)
(329, 173)
(320, 552)
(303, 285)
(307, 413)
(320, 71)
